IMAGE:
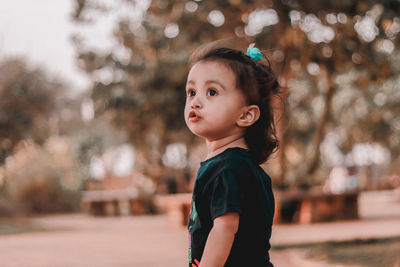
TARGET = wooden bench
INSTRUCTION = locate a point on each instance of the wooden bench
(176, 206)
(314, 206)
(290, 207)
(115, 202)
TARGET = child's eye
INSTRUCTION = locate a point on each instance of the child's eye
(191, 93)
(211, 92)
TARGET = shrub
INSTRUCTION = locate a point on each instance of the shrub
(34, 182)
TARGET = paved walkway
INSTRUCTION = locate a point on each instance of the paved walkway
(83, 241)
(147, 241)
(379, 219)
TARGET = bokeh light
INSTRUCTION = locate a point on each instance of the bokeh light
(260, 18)
(216, 18)
(191, 6)
(171, 30)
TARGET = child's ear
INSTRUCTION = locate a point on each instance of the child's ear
(249, 116)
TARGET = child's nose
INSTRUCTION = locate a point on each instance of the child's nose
(196, 103)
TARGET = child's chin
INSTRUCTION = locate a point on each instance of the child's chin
(197, 132)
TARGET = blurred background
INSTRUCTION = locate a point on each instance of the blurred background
(92, 130)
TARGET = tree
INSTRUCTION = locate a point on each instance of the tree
(312, 45)
(27, 98)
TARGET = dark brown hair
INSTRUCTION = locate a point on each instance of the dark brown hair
(259, 84)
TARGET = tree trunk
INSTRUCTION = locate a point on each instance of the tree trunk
(320, 130)
(280, 115)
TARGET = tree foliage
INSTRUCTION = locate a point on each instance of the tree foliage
(27, 98)
(337, 61)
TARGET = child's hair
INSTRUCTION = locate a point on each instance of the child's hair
(258, 83)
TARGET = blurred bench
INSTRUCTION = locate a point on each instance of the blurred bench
(290, 207)
(113, 196)
(115, 202)
(176, 206)
(315, 206)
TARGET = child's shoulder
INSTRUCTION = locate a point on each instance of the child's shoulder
(231, 153)
(231, 159)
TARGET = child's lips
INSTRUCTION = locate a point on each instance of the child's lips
(193, 116)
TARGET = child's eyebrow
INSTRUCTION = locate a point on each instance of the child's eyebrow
(208, 82)
(217, 82)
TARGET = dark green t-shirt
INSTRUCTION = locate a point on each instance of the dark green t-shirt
(232, 182)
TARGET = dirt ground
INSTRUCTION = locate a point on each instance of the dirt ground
(81, 240)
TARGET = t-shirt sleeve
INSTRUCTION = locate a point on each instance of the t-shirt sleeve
(224, 195)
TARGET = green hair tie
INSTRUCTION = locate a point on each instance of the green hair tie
(254, 53)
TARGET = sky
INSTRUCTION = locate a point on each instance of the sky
(40, 32)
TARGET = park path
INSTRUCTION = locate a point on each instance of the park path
(149, 241)
(80, 240)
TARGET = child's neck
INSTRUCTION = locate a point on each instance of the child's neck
(218, 146)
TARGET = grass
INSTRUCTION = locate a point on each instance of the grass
(10, 226)
(369, 253)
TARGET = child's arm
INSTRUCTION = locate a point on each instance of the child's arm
(220, 240)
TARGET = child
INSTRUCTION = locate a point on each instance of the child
(229, 105)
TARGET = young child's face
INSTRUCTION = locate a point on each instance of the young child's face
(213, 103)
